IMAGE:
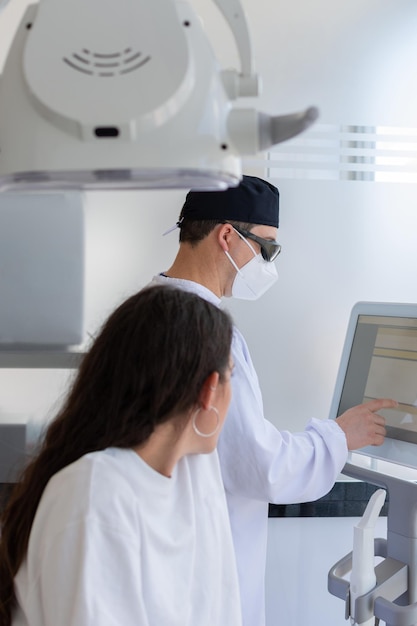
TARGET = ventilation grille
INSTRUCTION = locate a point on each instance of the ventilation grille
(106, 64)
(360, 153)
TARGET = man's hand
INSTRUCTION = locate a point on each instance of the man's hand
(363, 426)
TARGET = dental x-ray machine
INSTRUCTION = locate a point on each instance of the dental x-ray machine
(129, 94)
(379, 359)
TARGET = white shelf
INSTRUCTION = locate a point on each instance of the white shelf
(40, 359)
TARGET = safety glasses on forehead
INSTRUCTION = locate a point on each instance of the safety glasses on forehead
(270, 249)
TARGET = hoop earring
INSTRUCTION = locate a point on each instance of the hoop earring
(197, 430)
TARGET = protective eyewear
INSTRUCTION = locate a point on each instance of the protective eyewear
(269, 249)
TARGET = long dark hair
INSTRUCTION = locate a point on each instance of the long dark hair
(148, 363)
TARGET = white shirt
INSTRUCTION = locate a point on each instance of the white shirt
(261, 464)
(115, 543)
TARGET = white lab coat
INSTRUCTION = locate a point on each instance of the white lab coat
(115, 543)
(261, 464)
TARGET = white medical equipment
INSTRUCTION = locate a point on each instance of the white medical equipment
(379, 359)
(129, 94)
(41, 299)
(363, 578)
(41, 271)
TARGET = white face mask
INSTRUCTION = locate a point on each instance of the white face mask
(253, 279)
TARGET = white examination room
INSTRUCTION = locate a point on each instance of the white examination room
(319, 99)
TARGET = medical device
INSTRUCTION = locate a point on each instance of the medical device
(41, 270)
(379, 359)
(129, 94)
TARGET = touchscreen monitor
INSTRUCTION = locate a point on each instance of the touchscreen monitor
(379, 360)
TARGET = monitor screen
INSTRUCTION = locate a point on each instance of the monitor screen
(379, 360)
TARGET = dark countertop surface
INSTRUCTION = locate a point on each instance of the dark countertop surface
(346, 499)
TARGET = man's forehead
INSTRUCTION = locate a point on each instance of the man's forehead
(263, 230)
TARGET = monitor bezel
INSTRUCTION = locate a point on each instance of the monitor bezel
(393, 449)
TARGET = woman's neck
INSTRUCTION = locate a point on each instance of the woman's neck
(164, 448)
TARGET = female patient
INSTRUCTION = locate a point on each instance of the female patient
(120, 519)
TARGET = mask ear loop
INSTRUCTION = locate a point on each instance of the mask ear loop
(245, 240)
(232, 262)
(247, 243)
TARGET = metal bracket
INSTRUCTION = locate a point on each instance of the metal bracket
(391, 583)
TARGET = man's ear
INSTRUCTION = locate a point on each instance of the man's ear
(208, 390)
(224, 235)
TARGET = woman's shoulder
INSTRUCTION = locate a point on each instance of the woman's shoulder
(94, 478)
(97, 485)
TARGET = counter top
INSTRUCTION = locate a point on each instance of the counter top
(346, 499)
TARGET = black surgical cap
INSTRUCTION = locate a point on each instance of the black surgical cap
(254, 201)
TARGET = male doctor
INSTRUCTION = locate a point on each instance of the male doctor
(227, 248)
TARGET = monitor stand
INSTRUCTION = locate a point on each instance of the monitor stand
(394, 598)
